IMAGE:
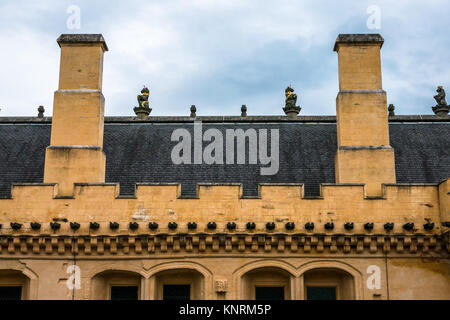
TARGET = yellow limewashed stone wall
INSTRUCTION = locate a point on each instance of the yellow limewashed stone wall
(339, 203)
(224, 263)
(78, 115)
(363, 154)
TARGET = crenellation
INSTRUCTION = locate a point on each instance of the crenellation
(223, 203)
(219, 239)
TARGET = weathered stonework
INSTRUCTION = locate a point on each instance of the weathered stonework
(280, 238)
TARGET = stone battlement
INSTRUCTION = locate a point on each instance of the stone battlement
(223, 203)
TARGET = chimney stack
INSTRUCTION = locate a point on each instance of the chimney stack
(76, 152)
(364, 153)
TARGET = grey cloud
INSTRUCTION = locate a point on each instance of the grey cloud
(224, 53)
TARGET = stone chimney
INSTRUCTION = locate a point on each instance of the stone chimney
(76, 152)
(364, 153)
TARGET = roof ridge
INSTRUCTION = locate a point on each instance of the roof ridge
(256, 118)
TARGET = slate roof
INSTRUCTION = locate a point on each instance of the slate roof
(140, 151)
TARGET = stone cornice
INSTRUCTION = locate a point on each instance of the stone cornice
(358, 38)
(78, 39)
(226, 243)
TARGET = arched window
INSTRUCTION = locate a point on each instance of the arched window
(179, 284)
(116, 285)
(14, 285)
(268, 283)
(329, 284)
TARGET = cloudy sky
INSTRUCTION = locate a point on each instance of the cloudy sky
(220, 54)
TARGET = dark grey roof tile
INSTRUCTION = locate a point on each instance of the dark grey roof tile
(140, 152)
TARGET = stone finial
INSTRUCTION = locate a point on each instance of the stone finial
(391, 110)
(243, 110)
(41, 111)
(143, 110)
(193, 111)
(442, 108)
(290, 109)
